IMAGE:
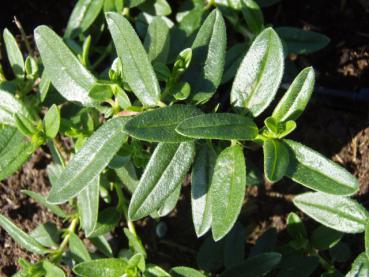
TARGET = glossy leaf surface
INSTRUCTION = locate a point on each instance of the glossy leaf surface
(90, 160)
(276, 160)
(223, 126)
(309, 168)
(165, 171)
(336, 212)
(202, 172)
(137, 69)
(227, 190)
(259, 75)
(294, 101)
(71, 79)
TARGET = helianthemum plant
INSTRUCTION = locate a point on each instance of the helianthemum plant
(149, 121)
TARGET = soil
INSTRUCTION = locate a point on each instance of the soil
(340, 133)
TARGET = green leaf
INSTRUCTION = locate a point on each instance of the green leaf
(295, 227)
(341, 252)
(83, 15)
(360, 267)
(258, 78)
(202, 172)
(208, 56)
(302, 42)
(366, 239)
(336, 212)
(88, 206)
(255, 266)
(47, 234)
(101, 91)
(132, 3)
(40, 199)
(127, 175)
(51, 122)
(9, 107)
(159, 125)
(21, 238)
(156, 7)
(183, 271)
(210, 256)
(78, 249)
(309, 168)
(14, 54)
(324, 238)
(52, 270)
(135, 243)
(15, 150)
(158, 180)
(101, 267)
(253, 16)
(102, 245)
(294, 101)
(276, 160)
(223, 126)
(233, 60)
(90, 161)
(227, 190)
(297, 265)
(107, 220)
(157, 40)
(137, 69)
(66, 73)
(169, 203)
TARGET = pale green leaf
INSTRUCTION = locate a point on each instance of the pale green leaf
(183, 271)
(165, 171)
(227, 190)
(66, 73)
(259, 75)
(337, 212)
(208, 56)
(52, 270)
(14, 54)
(83, 15)
(78, 249)
(360, 267)
(202, 172)
(21, 238)
(89, 161)
(47, 234)
(101, 268)
(9, 107)
(309, 168)
(51, 122)
(294, 101)
(137, 69)
(88, 206)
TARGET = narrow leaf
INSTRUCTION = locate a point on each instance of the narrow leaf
(157, 40)
(202, 172)
(336, 212)
(102, 245)
(108, 219)
(66, 73)
(227, 190)
(182, 271)
(223, 126)
(158, 180)
(169, 203)
(15, 150)
(258, 78)
(101, 268)
(233, 60)
(137, 69)
(47, 234)
(300, 41)
(9, 107)
(88, 206)
(14, 54)
(52, 270)
(294, 101)
(83, 15)
(42, 201)
(52, 122)
(159, 125)
(23, 239)
(78, 249)
(324, 238)
(206, 69)
(276, 160)
(309, 168)
(253, 15)
(90, 161)
(360, 267)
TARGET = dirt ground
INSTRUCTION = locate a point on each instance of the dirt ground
(339, 132)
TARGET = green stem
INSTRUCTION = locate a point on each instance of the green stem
(71, 229)
(55, 153)
(122, 206)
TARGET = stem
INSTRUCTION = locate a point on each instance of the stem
(23, 34)
(71, 229)
(55, 153)
(122, 206)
